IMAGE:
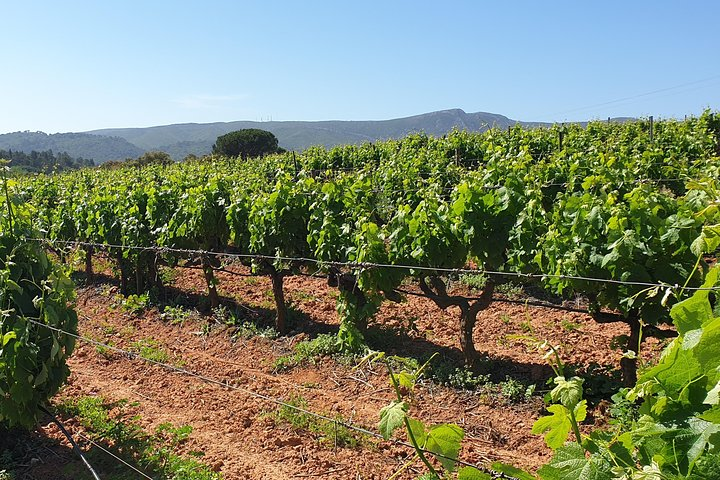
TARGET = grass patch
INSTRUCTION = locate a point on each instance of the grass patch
(177, 315)
(326, 432)
(112, 423)
(134, 304)
(150, 349)
(473, 281)
(309, 351)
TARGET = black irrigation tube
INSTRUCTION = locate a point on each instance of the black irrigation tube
(75, 446)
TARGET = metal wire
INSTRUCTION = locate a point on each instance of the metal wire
(261, 396)
(97, 445)
(369, 265)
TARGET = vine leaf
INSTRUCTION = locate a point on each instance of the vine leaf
(472, 473)
(444, 441)
(570, 463)
(557, 426)
(391, 417)
(568, 392)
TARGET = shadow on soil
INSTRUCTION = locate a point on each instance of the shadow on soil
(601, 381)
(34, 455)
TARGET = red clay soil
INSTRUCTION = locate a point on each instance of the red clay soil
(236, 430)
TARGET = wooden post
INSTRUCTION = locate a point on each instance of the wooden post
(561, 134)
(296, 164)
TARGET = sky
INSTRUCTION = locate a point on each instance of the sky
(74, 66)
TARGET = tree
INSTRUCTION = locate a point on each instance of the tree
(249, 142)
(153, 157)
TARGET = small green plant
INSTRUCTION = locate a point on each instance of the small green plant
(175, 315)
(150, 349)
(511, 290)
(168, 275)
(324, 345)
(569, 325)
(568, 409)
(473, 281)
(134, 304)
(505, 318)
(249, 330)
(104, 350)
(460, 378)
(526, 326)
(441, 441)
(122, 432)
(327, 432)
(303, 296)
(516, 391)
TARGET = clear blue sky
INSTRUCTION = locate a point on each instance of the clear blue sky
(81, 65)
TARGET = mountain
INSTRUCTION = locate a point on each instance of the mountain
(182, 139)
(179, 140)
(77, 145)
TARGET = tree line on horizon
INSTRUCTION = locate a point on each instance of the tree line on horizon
(43, 162)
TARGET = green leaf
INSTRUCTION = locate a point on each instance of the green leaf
(556, 426)
(7, 337)
(567, 392)
(405, 380)
(711, 415)
(391, 417)
(570, 463)
(445, 441)
(694, 312)
(418, 430)
(472, 473)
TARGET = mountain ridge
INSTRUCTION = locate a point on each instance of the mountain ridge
(182, 139)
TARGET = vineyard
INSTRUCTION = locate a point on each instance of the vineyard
(470, 275)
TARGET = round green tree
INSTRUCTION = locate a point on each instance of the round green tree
(246, 143)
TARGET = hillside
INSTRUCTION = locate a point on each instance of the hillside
(77, 145)
(179, 140)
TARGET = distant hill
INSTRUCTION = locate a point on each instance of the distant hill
(181, 139)
(197, 138)
(77, 145)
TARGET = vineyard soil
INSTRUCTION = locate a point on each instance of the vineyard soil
(240, 435)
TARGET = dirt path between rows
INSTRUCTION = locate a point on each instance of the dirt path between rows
(236, 430)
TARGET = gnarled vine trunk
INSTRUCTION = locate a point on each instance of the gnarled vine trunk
(210, 281)
(436, 290)
(276, 277)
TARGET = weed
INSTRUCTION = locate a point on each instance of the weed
(252, 281)
(108, 329)
(324, 345)
(515, 391)
(304, 296)
(106, 352)
(474, 282)
(168, 275)
(526, 326)
(505, 318)
(569, 325)
(328, 432)
(150, 349)
(124, 433)
(511, 290)
(460, 378)
(175, 315)
(249, 330)
(134, 304)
